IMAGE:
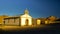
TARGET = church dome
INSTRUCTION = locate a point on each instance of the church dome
(26, 12)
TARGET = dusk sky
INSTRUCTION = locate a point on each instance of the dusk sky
(37, 8)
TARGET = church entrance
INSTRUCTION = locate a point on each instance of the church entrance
(26, 22)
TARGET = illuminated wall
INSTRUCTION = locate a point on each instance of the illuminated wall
(38, 21)
(2, 18)
(11, 21)
(23, 20)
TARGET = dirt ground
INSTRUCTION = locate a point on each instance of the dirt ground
(40, 29)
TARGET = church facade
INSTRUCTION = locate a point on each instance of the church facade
(21, 20)
(26, 19)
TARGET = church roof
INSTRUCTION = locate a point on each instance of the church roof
(11, 17)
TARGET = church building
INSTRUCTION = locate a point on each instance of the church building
(21, 20)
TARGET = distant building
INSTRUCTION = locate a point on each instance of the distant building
(12, 21)
(52, 19)
(2, 18)
(38, 21)
(57, 21)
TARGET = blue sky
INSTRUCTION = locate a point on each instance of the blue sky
(37, 8)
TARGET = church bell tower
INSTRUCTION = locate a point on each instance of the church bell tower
(26, 12)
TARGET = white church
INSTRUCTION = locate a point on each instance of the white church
(26, 18)
(21, 20)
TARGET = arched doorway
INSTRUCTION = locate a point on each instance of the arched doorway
(42, 22)
(26, 22)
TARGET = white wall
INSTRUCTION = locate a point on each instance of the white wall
(24, 19)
